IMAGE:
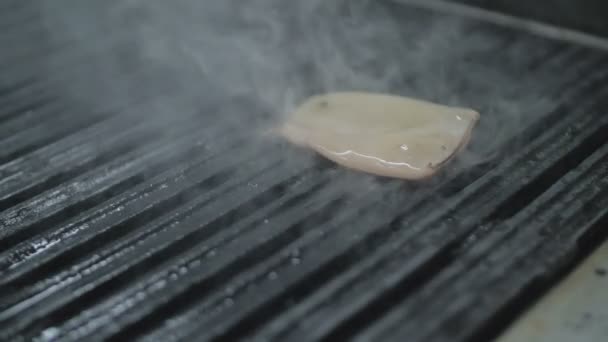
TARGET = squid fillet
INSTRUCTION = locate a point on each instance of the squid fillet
(385, 135)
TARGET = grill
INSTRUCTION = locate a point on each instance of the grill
(117, 223)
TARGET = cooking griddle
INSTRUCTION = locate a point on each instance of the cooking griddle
(117, 223)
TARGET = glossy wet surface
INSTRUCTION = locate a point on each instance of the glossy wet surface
(385, 135)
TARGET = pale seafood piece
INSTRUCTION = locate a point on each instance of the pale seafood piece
(385, 135)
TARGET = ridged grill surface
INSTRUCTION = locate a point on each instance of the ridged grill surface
(122, 225)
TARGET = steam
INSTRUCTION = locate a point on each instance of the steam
(276, 53)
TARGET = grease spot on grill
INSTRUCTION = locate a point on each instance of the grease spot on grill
(50, 334)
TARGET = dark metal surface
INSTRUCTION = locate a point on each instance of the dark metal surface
(111, 227)
(583, 15)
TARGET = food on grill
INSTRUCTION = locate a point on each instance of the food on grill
(385, 135)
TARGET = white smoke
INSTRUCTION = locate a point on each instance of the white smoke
(276, 53)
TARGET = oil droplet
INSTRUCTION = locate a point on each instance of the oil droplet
(50, 333)
(273, 275)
